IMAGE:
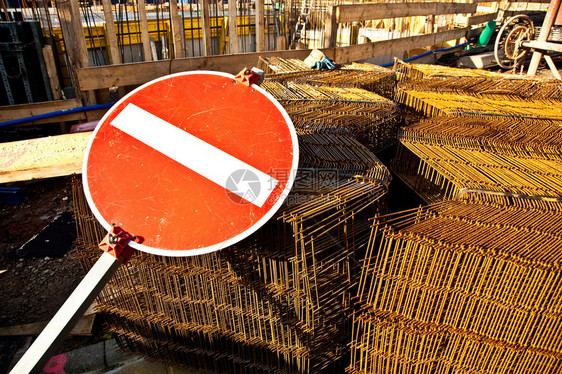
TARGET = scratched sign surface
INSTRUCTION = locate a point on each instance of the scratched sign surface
(191, 163)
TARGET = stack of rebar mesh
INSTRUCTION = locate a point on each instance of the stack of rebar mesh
(491, 133)
(360, 75)
(352, 99)
(469, 283)
(408, 72)
(461, 287)
(277, 302)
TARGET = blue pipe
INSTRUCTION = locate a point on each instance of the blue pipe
(55, 114)
(430, 52)
(109, 105)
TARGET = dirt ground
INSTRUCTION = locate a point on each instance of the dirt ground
(33, 288)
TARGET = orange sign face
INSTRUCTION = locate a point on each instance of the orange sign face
(191, 163)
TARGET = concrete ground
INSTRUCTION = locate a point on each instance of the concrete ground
(105, 357)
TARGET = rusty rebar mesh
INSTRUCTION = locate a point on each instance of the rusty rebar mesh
(276, 66)
(439, 78)
(467, 105)
(444, 172)
(461, 286)
(369, 117)
(370, 77)
(381, 82)
(405, 71)
(443, 157)
(528, 137)
(436, 91)
(372, 124)
(279, 301)
(291, 89)
(343, 154)
(488, 86)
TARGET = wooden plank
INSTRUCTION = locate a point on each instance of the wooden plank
(43, 173)
(80, 117)
(111, 33)
(387, 47)
(206, 27)
(89, 116)
(147, 50)
(502, 8)
(430, 24)
(178, 34)
(281, 42)
(553, 67)
(479, 61)
(474, 33)
(74, 41)
(477, 20)
(83, 328)
(52, 74)
(364, 12)
(260, 26)
(233, 27)
(531, 1)
(549, 19)
(544, 46)
(331, 32)
(39, 158)
(134, 74)
(12, 112)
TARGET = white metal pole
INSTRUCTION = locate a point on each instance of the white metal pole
(73, 309)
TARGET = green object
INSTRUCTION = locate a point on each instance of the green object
(486, 34)
(325, 63)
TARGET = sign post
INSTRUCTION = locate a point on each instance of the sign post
(189, 163)
(64, 320)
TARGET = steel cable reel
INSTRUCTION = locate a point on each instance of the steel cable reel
(508, 49)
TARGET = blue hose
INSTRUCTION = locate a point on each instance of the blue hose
(430, 52)
(109, 105)
(55, 114)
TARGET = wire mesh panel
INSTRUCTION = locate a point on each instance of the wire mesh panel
(443, 157)
(370, 77)
(342, 101)
(436, 90)
(405, 71)
(453, 104)
(491, 133)
(461, 286)
(372, 124)
(488, 86)
(470, 284)
(277, 302)
(276, 66)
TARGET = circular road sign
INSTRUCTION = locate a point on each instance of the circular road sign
(190, 163)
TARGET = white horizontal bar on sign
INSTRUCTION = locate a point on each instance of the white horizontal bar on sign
(195, 154)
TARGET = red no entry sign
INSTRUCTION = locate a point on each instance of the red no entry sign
(191, 163)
